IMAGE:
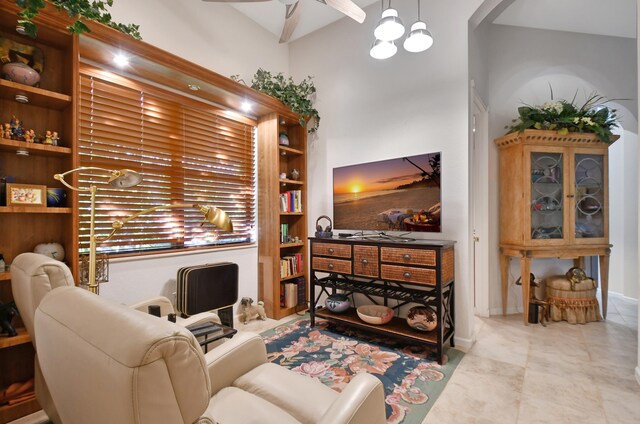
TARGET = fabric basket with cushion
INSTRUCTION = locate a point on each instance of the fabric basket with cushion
(577, 305)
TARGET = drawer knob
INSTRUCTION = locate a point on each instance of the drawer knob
(406, 275)
(331, 250)
(330, 266)
(364, 262)
(406, 256)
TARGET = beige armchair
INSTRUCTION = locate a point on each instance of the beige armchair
(106, 363)
(33, 276)
(166, 308)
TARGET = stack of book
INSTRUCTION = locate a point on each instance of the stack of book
(284, 232)
(291, 201)
(291, 265)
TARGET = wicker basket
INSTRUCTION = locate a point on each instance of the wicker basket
(577, 306)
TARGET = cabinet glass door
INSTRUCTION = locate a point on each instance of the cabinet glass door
(589, 195)
(546, 196)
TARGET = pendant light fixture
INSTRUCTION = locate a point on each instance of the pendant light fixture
(383, 49)
(419, 38)
(390, 26)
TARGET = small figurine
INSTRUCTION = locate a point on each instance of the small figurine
(7, 312)
(7, 131)
(30, 136)
(17, 131)
(55, 138)
(48, 138)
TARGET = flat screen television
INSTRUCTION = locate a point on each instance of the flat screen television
(401, 194)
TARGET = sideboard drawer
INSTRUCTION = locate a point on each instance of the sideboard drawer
(408, 256)
(408, 274)
(365, 261)
(331, 249)
(331, 265)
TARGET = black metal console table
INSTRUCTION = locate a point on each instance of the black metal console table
(420, 272)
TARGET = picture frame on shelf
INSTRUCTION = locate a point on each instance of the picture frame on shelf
(26, 195)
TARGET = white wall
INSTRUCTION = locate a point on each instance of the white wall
(567, 61)
(220, 38)
(213, 35)
(406, 105)
(134, 279)
(637, 258)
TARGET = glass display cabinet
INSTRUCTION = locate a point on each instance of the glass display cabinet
(553, 202)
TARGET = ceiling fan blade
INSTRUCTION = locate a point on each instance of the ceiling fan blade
(347, 7)
(292, 16)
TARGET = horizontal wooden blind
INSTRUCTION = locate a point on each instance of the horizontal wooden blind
(185, 152)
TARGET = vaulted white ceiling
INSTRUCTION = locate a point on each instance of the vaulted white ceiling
(604, 17)
(313, 16)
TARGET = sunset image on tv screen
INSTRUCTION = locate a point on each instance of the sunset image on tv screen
(400, 194)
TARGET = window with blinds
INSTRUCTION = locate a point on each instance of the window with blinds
(186, 151)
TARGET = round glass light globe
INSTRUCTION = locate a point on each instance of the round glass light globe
(383, 49)
(419, 39)
(390, 26)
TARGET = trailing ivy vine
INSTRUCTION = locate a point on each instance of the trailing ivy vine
(95, 10)
(298, 97)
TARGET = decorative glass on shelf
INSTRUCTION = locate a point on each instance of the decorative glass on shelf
(589, 195)
(546, 195)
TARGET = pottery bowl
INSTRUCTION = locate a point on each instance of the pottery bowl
(422, 318)
(19, 72)
(337, 303)
(375, 314)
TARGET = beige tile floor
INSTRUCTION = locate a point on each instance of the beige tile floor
(559, 374)
(515, 374)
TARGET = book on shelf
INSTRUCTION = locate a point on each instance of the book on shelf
(291, 201)
(302, 292)
(291, 265)
(284, 232)
(290, 295)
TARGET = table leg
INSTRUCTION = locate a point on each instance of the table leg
(312, 298)
(525, 270)
(504, 275)
(604, 281)
(579, 262)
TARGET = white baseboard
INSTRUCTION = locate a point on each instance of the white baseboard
(510, 311)
(464, 343)
(621, 296)
(638, 374)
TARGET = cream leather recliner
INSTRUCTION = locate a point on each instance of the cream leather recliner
(33, 276)
(106, 363)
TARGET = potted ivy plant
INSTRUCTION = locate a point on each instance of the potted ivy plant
(298, 97)
(95, 10)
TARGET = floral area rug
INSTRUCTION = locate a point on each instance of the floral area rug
(411, 375)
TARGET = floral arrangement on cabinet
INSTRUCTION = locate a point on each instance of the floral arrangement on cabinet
(564, 117)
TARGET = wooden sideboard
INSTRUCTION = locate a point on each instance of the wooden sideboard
(389, 272)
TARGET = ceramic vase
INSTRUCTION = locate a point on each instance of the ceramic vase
(19, 72)
(422, 318)
(337, 303)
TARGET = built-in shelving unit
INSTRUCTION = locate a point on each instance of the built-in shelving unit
(274, 246)
(46, 107)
